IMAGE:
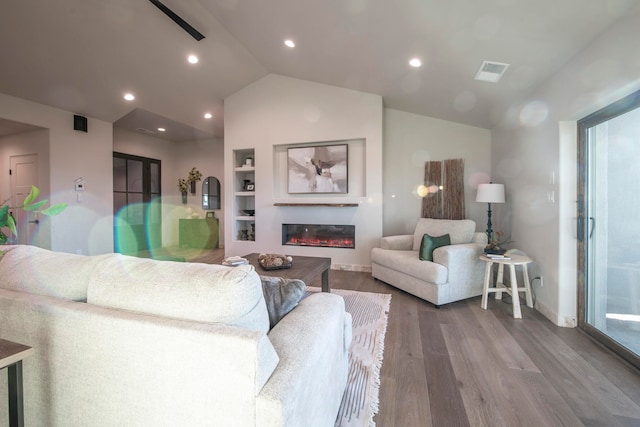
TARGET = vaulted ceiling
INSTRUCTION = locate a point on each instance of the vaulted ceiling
(83, 55)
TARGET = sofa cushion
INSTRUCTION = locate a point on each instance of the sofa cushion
(40, 271)
(190, 291)
(430, 243)
(460, 231)
(281, 296)
(408, 263)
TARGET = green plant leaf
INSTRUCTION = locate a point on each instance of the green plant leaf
(12, 225)
(3, 238)
(33, 195)
(4, 214)
(35, 206)
(55, 209)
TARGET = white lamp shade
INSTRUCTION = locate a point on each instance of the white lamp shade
(490, 193)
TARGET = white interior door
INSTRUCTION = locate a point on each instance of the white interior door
(24, 174)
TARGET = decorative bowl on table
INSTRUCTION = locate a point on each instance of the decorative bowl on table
(249, 212)
(275, 261)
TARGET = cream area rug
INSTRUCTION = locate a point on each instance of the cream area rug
(370, 314)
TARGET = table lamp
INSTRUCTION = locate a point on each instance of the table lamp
(490, 193)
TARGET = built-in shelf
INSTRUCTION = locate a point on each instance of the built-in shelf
(312, 205)
(245, 169)
(244, 199)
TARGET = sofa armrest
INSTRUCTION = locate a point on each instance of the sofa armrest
(146, 366)
(310, 378)
(453, 256)
(462, 261)
(402, 242)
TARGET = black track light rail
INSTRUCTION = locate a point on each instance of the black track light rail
(181, 22)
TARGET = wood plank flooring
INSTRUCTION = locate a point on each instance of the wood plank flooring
(463, 366)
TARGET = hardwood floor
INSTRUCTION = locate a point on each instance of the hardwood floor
(463, 366)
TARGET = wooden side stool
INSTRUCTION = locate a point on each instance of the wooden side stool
(500, 287)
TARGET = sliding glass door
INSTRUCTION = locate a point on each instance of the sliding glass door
(609, 226)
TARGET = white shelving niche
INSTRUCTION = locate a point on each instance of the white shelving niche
(244, 198)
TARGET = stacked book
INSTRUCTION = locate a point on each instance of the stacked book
(233, 261)
(497, 256)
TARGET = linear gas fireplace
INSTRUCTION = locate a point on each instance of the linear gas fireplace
(325, 236)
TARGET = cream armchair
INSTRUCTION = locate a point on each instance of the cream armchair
(455, 273)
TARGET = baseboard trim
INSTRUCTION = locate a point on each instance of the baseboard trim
(351, 267)
(562, 321)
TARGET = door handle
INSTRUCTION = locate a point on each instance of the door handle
(592, 220)
(35, 221)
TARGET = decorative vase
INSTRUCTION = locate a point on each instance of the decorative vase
(193, 188)
(184, 197)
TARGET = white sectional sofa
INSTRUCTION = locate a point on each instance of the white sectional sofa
(123, 341)
(455, 273)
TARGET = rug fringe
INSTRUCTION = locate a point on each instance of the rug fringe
(374, 393)
(371, 395)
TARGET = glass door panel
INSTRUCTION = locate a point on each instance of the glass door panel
(136, 198)
(609, 214)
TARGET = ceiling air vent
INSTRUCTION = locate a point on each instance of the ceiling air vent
(491, 71)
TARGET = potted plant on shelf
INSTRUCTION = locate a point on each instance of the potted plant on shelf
(31, 204)
(495, 244)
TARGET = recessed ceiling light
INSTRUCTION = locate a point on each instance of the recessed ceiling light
(161, 129)
(192, 59)
(289, 43)
(208, 115)
(129, 96)
(415, 62)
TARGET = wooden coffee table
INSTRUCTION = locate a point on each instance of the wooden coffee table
(305, 268)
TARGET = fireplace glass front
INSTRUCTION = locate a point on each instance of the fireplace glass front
(319, 235)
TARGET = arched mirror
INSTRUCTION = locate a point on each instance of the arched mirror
(211, 193)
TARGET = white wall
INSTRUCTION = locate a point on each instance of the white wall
(277, 111)
(534, 154)
(411, 140)
(177, 159)
(85, 227)
(208, 157)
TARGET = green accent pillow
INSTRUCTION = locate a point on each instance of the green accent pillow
(429, 244)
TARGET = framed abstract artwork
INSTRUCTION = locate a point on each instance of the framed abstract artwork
(318, 169)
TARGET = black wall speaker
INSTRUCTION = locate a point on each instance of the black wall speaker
(79, 123)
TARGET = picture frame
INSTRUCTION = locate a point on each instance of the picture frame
(318, 169)
(251, 187)
(210, 215)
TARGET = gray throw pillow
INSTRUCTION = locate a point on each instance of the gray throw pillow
(281, 295)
